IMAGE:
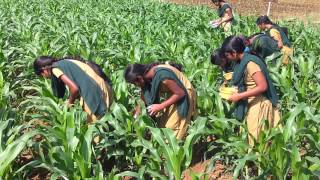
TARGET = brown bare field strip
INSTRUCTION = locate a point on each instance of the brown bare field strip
(304, 10)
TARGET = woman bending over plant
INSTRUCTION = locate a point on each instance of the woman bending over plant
(83, 78)
(278, 34)
(226, 17)
(164, 81)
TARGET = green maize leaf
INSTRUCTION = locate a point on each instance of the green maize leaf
(192, 138)
(289, 129)
(241, 163)
(12, 151)
(3, 126)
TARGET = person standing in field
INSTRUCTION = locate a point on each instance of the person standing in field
(84, 79)
(278, 34)
(225, 13)
(263, 46)
(164, 81)
(256, 98)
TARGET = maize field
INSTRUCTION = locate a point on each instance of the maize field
(40, 136)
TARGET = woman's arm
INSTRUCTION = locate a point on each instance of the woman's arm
(261, 86)
(227, 16)
(73, 88)
(177, 94)
(275, 34)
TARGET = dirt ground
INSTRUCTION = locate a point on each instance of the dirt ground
(305, 10)
(218, 172)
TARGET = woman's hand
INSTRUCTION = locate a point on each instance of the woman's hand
(261, 87)
(235, 97)
(73, 88)
(154, 109)
(68, 104)
(177, 94)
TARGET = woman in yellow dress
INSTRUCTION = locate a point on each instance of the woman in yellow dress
(164, 81)
(256, 98)
(84, 79)
(278, 34)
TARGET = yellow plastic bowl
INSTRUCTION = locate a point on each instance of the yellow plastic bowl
(227, 92)
(228, 76)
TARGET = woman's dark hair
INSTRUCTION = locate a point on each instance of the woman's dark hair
(233, 44)
(175, 65)
(263, 20)
(47, 61)
(42, 62)
(217, 57)
(134, 70)
(98, 70)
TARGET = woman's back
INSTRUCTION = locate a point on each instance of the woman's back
(184, 80)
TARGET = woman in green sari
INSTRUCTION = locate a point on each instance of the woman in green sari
(263, 46)
(225, 13)
(84, 79)
(169, 96)
(256, 99)
(277, 33)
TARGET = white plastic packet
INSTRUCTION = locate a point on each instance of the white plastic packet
(213, 24)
